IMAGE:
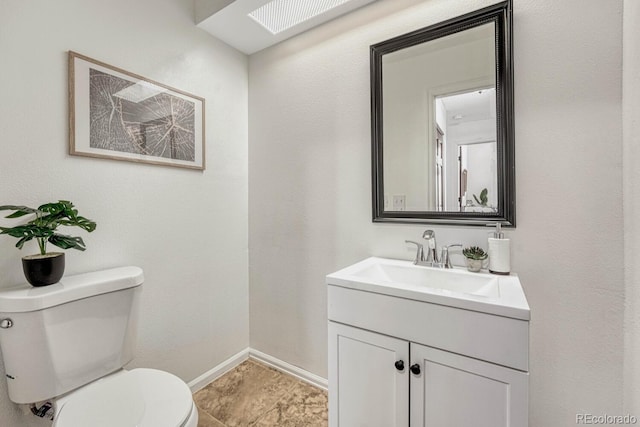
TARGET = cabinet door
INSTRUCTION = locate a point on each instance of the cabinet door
(457, 391)
(366, 389)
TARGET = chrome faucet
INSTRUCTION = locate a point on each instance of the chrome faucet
(431, 259)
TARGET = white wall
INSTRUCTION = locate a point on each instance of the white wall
(631, 153)
(310, 201)
(186, 229)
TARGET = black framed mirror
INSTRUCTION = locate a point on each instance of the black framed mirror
(442, 122)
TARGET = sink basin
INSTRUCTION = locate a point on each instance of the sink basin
(457, 287)
(431, 279)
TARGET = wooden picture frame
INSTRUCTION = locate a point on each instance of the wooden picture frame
(115, 114)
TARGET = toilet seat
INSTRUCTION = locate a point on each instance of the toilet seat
(136, 398)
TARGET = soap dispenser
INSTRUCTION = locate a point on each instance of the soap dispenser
(499, 252)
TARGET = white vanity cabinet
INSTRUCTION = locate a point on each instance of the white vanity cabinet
(365, 388)
(454, 390)
(434, 388)
(398, 361)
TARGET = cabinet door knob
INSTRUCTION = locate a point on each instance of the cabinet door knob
(415, 369)
(400, 365)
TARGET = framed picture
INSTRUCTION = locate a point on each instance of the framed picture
(119, 115)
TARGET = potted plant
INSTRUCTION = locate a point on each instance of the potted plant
(484, 197)
(475, 257)
(46, 268)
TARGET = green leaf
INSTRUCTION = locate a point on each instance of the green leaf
(80, 221)
(20, 210)
(67, 242)
(483, 197)
(26, 230)
(25, 233)
(52, 208)
(474, 252)
(22, 241)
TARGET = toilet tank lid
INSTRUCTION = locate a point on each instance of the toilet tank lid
(24, 297)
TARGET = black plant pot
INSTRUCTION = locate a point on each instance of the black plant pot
(43, 270)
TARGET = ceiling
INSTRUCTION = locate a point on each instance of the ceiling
(479, 104)
(230, 20)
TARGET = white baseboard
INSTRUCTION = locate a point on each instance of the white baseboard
(218, 371)
(290, 369)
(224, 367)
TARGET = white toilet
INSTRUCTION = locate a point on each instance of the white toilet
(67, 344)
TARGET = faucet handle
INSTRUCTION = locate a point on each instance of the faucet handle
(419, 251)
(445, 258)
(429, 235)
(432, 254)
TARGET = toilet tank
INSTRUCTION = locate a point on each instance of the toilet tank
(60, 337)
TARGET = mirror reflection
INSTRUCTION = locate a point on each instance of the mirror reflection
(439, 124)
(466, 152)
(442, 122)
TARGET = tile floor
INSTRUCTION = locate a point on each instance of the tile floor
(253, 394)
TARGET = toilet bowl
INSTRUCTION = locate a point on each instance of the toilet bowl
(67, 344)
(136, 398)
